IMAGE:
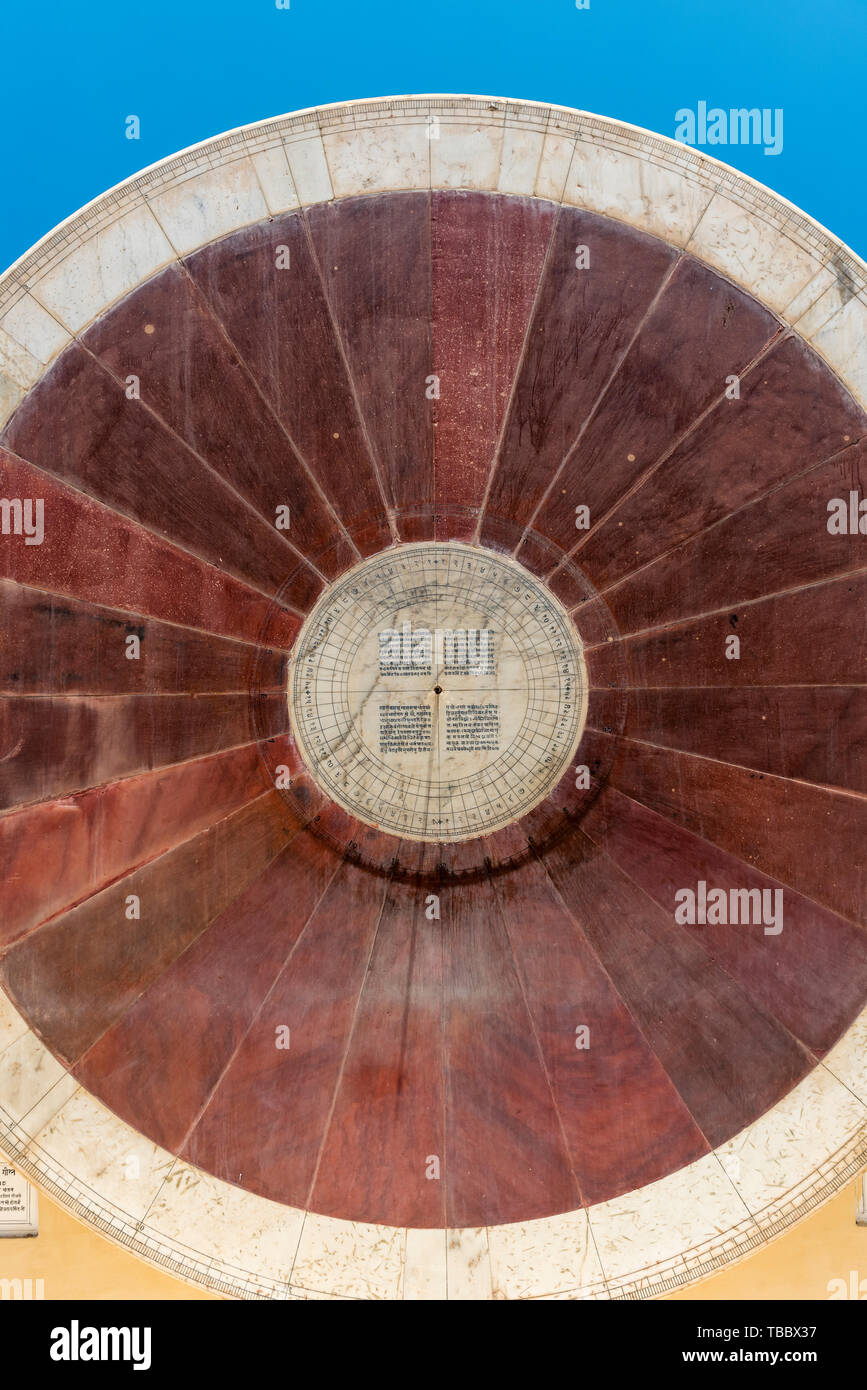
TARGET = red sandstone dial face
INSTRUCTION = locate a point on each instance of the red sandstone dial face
(411, 628)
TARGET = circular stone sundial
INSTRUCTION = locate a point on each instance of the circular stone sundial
(420, 781)
(438, 691)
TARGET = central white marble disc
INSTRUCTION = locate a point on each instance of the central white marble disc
(437, 691)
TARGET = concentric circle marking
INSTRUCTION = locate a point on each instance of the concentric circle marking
(437, 691)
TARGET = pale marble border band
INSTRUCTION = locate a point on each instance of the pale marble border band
(680, 194)
(647, 1242)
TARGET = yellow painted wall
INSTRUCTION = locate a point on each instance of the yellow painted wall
(827, 1245)
(75, 1262)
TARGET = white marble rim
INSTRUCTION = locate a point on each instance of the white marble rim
(646, 1243)
(679, 193)
(422, 104)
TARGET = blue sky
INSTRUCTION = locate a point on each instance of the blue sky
(193, 68)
